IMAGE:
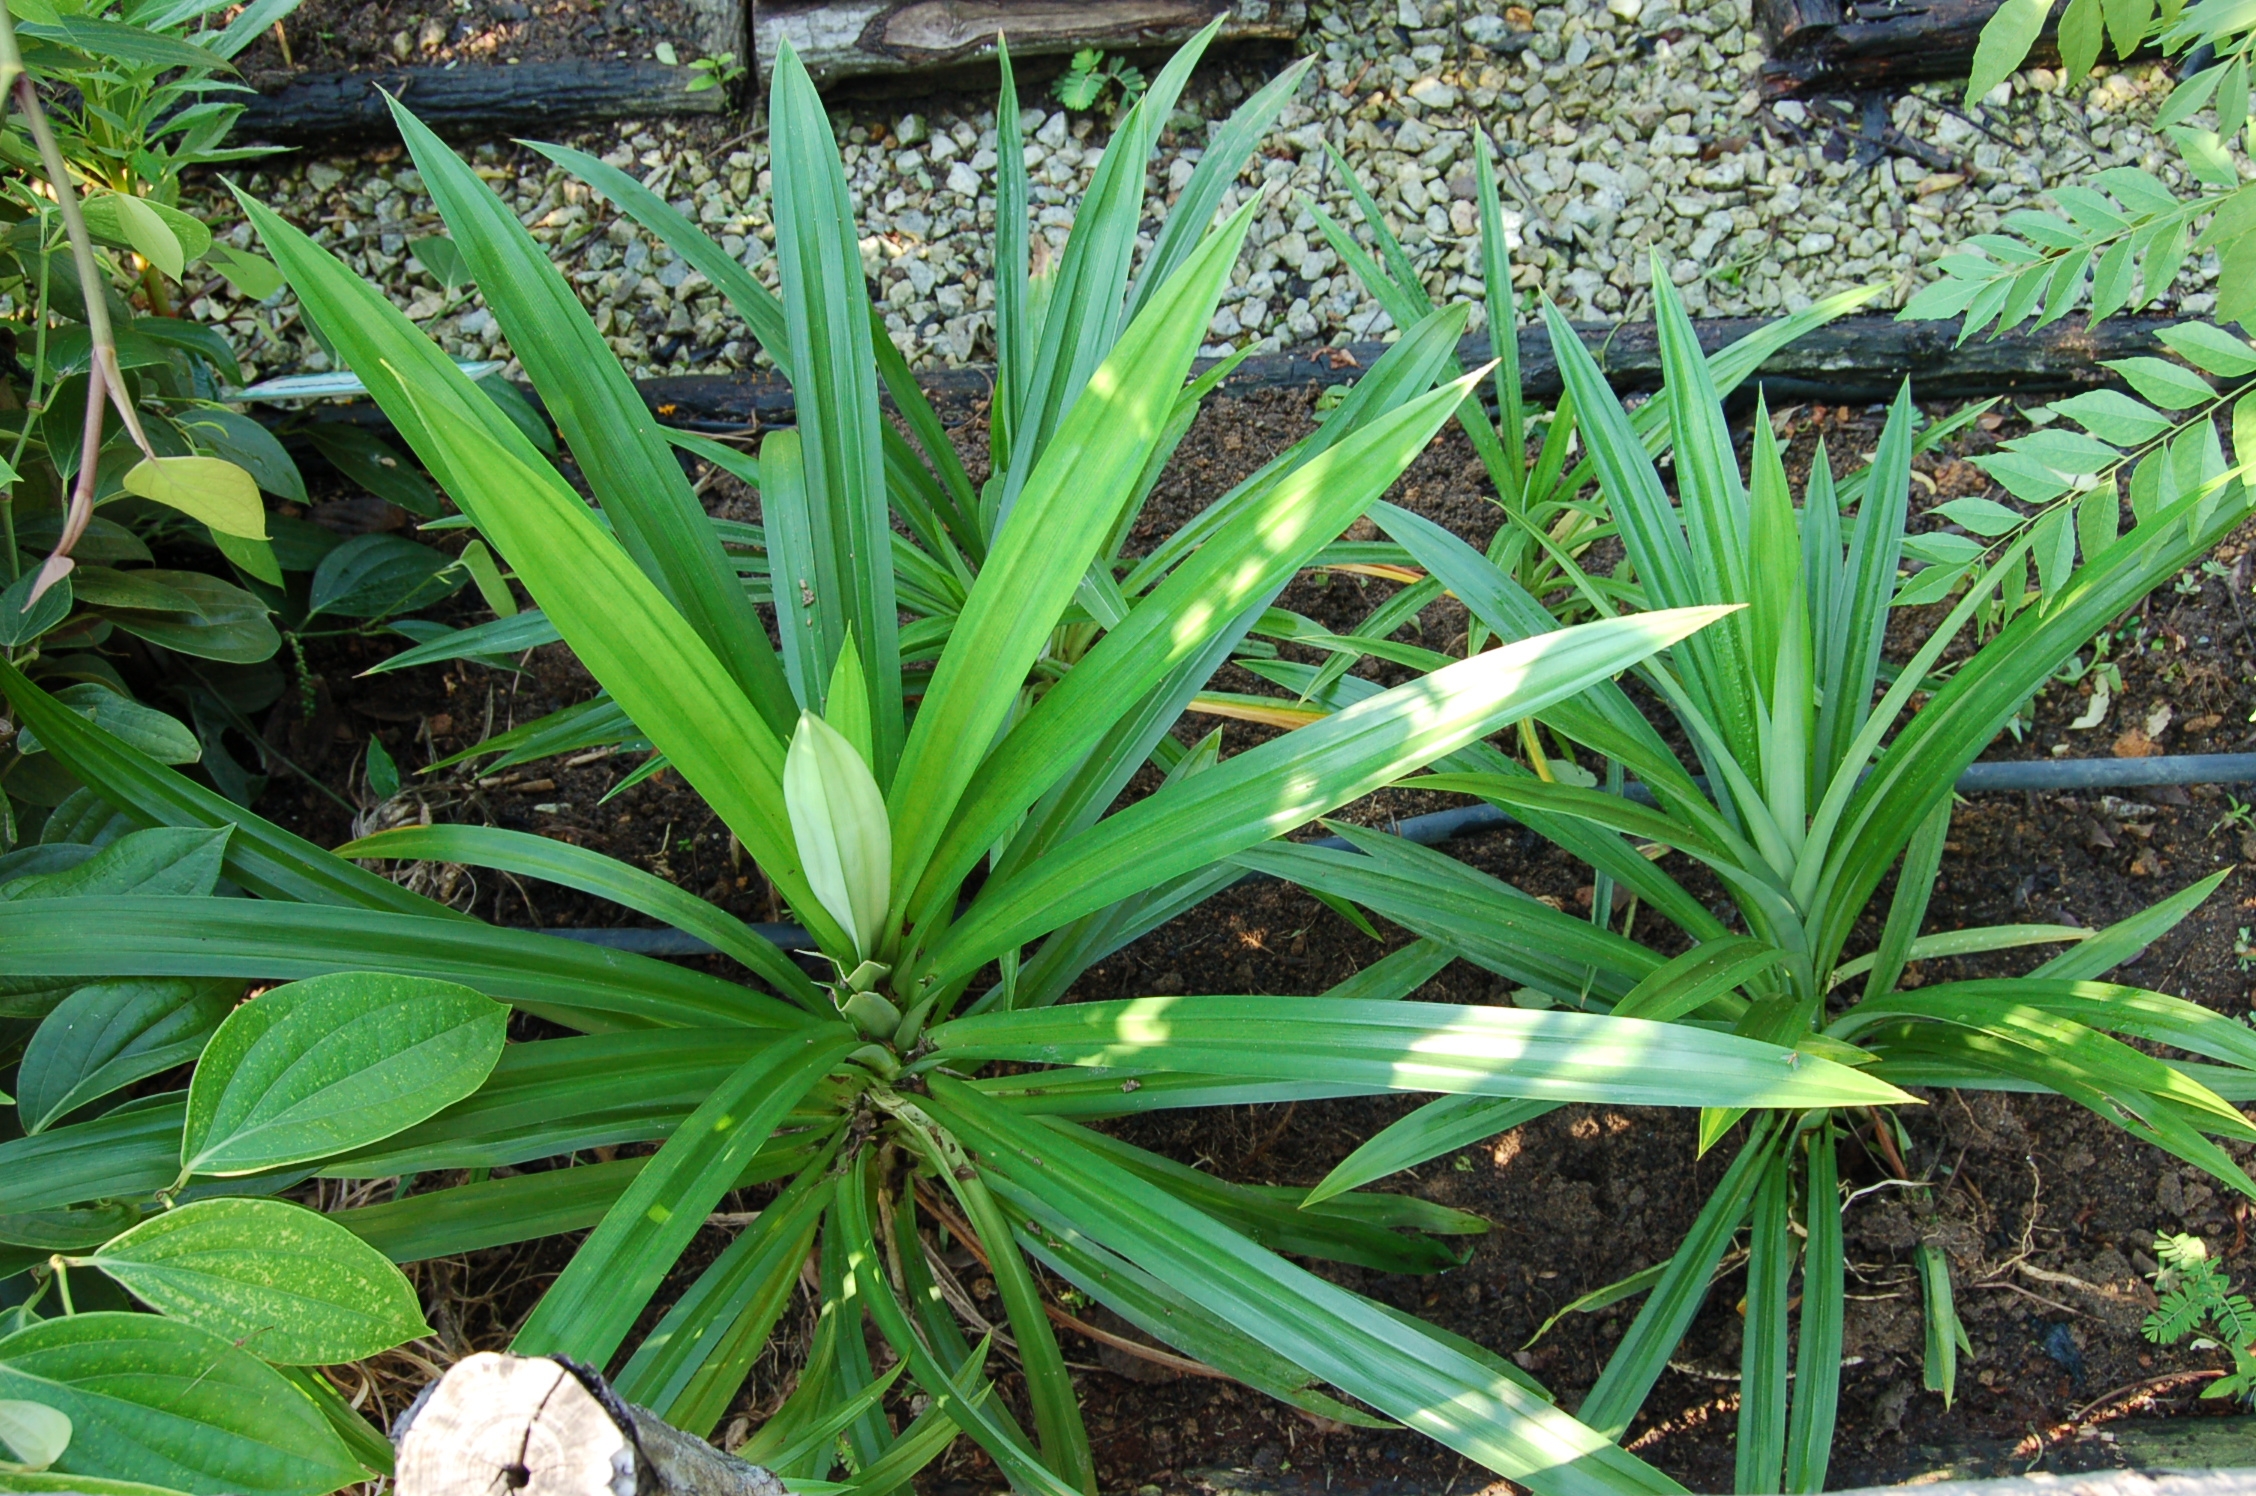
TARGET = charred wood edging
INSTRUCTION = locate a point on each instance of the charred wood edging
(930, 43)
(548, 98)
(1854, 360)
(1818, 46)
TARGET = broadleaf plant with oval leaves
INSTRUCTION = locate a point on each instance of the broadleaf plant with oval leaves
(935, 802)
(139, 555)
(1820, 779)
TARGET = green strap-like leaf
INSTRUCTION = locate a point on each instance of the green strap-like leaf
(1077, 331)
(1761, 1442)
(1848, 656)
(2061, 1022)
(588, 1310)
(843, 525)
(128, 1152)
(606, 877)
(870, 1290)
(1393, 1366)
(1242, 563)
(1817, 1356)
(1192, 212)
(491, 1212)
(558, 1096)
(613, 436)
(1161, 1312)
(660, 671)
(1043, 550)
(1280, 1219)
(1935, 746)
(1442, 1125)
(690, 1368)
(669, 683)
(584, 985)
(2121, 941)
(1555, 1056)
(1481, 918)
(1667, 1312)
(1286, 782)
(1057, 1407)
(1945, 1335)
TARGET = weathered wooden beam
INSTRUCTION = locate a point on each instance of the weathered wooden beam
(534, 1426)
(876, 39)
(1854, 360)
(544, 98)
(919, 43)
(1821, 46)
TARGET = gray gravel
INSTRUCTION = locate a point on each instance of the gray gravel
(1624, 127)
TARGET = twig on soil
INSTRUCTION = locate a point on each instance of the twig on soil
(2040, 1298)
(1885, 1184)
(1270, 1140)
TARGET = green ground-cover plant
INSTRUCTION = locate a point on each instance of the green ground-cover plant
(1090, 78)
(934, 810)
(141, 559)
(1813, 792)
(2198, 1299)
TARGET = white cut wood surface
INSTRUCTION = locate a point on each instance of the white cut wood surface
(498, 1425)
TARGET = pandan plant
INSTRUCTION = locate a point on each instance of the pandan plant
(934, 800)
(1812, 778)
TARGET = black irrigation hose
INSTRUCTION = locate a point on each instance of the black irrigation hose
(2038, 775)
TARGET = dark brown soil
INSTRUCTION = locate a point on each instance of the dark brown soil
(2047, 1213)
(328, 35)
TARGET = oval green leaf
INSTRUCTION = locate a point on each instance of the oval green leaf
(120, 716)
(177, 861)
(334, 1062)
(288, 1284)
(109, 1034)
(211, 489)
(167, 1404)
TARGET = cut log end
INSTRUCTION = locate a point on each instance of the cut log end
(498, 1425)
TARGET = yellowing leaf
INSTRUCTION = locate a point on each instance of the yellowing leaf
(211, 489)
(1268, 713)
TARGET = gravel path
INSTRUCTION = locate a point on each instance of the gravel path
(1626, 127)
